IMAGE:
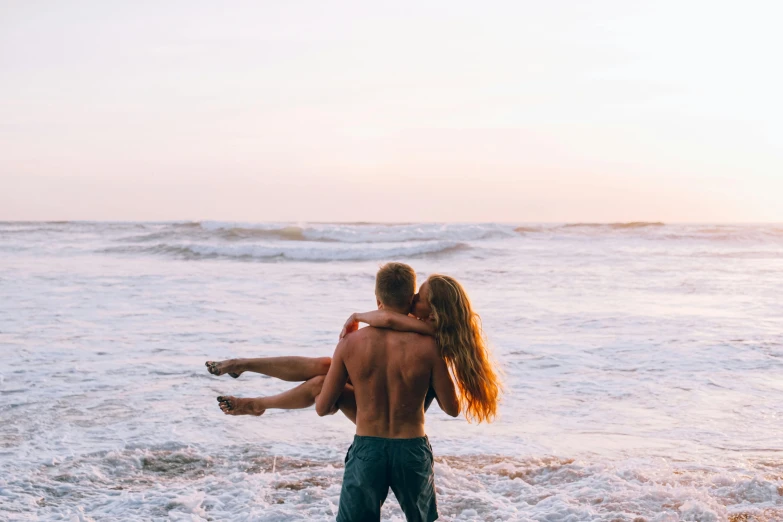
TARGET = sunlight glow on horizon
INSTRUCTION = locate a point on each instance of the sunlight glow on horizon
(509, 112)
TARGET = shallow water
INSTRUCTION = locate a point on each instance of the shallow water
(643, 367)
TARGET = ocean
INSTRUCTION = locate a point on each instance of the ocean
(642, 362)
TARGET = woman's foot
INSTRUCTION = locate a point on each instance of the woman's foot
(238, 406)
(222, 367)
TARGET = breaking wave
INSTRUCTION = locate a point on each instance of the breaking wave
(307, 252)
(285, 233)
(360, 232)
(324, 232)
(366, 241)
(616, 226)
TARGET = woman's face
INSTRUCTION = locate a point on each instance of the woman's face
(421, 302)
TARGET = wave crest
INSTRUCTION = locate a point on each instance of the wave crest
(255, 252)
(291, 233)
(617, 226)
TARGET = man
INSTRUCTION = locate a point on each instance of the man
(391, 373)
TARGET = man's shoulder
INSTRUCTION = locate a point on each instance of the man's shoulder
(357, 339)
(373, 332)
(428, 344)
(425, 344)
(372, 335)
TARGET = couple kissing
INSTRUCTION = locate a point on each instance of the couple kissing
(419, 347)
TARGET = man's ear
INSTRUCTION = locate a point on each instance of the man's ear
(379, 303)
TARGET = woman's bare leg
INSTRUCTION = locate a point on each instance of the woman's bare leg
(296, 398)
(302, 396)
(286, 368)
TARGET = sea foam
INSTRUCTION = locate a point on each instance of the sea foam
(641, 366)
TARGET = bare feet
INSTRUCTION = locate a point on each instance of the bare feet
(238, 406)
(222, 367)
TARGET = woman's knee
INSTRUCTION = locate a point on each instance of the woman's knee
(316, 384)
(323, 365)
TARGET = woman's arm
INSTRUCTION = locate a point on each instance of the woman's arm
(387, 319)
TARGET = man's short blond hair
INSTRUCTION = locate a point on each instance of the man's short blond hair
(395, 285)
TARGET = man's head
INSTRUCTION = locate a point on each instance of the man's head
(395, 285)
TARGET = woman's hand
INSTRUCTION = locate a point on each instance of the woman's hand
(376, 318)
(351, 325)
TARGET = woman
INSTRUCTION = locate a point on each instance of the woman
(443, 311)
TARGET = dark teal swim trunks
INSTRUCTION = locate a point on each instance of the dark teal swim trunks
(373, 465)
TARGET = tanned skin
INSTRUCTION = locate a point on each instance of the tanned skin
(391, 373)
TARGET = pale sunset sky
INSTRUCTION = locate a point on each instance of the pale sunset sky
(518, 111)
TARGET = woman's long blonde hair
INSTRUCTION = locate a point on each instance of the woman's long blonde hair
(462, 344)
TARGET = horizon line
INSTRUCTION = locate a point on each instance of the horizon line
(400, 223)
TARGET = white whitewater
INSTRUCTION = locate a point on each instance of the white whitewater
(643, 368)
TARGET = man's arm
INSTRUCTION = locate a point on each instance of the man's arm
(444, 387)
(336, 378)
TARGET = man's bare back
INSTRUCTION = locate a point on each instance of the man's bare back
(391, 373)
